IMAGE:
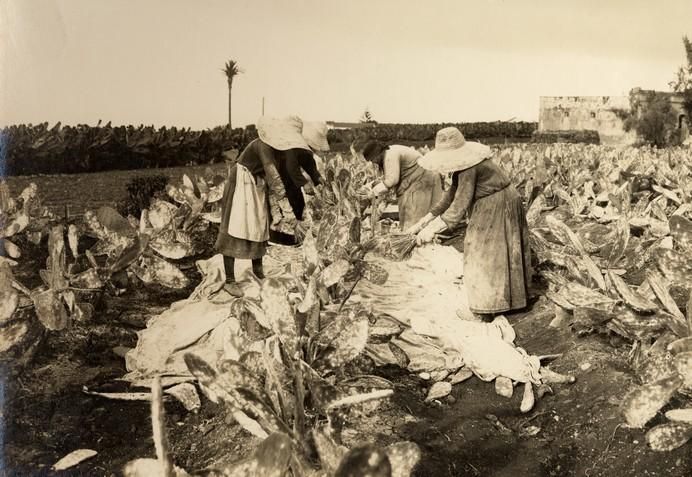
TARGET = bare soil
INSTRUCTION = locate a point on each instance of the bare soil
(46, 415)
(76, 193)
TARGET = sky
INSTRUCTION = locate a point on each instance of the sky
(159, 61)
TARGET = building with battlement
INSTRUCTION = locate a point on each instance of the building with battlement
(605, 114)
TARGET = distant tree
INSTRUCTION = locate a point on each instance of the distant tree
(231, 69)
(653, 118)
(366, 118)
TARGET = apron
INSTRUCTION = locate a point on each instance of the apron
(249, 218)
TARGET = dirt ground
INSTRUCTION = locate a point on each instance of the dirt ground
(474, 432)
(75, 193)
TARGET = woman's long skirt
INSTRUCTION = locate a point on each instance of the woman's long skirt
(416, 200)
(497, 256)
(226, 244)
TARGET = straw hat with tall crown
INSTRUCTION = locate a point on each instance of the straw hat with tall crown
(282, 133)
(315, 134)
(453, 153)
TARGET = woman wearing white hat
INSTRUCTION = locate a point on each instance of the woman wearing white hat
(417, 189)
(497, 260)
(268, 166)
(315, 135)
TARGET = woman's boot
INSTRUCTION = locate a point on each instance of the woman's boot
(231, 286)
(257, 268)
(485, 317)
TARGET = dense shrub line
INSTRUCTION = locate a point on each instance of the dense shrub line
(40, 149)
(426, 132)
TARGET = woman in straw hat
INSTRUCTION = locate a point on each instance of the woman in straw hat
(417, 189)
(267, 174)
(315, 135)
(497, 264)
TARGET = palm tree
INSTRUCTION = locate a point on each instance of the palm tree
(231, 70)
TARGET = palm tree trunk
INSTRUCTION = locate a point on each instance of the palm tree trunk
(230, 85)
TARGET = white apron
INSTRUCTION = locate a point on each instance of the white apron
(249, 219)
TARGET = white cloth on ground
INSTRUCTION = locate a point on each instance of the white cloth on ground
(201, 324)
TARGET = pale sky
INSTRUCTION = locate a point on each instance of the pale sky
(159, 61)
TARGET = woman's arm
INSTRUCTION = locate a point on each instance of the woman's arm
(309, 165)
(293, 161)
(292, 181)
(297, 201)
(271, 173)
(446, 199)
(463, 197)
(391, 173)
(449, 212)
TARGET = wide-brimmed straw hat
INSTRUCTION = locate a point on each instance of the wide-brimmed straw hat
(453, 153)
(315, 134)
(282, 133)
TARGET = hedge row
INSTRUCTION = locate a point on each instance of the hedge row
(29, 149)
(40, 149)
(426, 132)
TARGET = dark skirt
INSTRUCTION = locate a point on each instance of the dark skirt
(232, 246)
(497, 256)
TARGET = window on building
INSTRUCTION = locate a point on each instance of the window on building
(593, 115)
(566, 114)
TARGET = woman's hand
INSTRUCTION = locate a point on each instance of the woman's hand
(379, 189)
(425, 236)
(275, 213)
(367, 192)
(300, 231)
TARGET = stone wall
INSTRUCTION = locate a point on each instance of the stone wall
(598, 113)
